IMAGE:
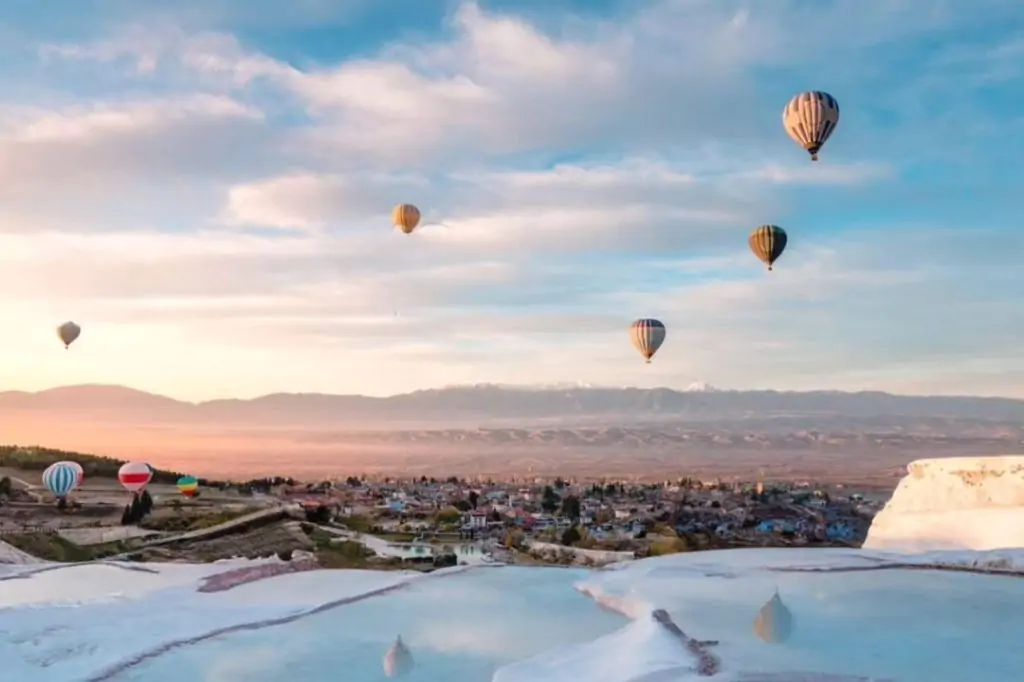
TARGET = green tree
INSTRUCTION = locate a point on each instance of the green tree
(571, 507)
(571, 536)
(549, 500)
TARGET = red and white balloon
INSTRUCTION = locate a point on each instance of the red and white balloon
(135, 476)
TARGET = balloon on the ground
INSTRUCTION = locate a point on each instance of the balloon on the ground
(810, 118)
(647, 336)
(59, 478)
(80, 471)
(68, 332)
(135, 476)
(774, 622)
(397, 661)
(405, 217)
(187, 485)
(768, 242)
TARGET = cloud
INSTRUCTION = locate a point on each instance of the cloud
(502, 85)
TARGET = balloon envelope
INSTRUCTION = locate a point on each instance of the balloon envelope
(397, 661)
(405, 217)
(810, 118)
(774, 622)
(187, 485)
(647, 336)
(60, 478)
(768, 242)
(68, 332)
(135, 476)
(80, 471)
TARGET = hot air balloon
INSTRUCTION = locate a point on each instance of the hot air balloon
(768, 242)
(68, 332)
(187, 485)
(135, 476)
(647, 336)
(405, 217)
(810, 118)
(774, 622)
(60, 479)
(80, 471)
(397, 661)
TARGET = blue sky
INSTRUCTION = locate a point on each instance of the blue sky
(206, 187)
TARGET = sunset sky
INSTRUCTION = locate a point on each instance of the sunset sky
(206, 187)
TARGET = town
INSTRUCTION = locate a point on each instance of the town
(588, 522)
(427, 522)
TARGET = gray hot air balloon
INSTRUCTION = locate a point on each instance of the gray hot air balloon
(774, 622)
(397, 661)
(68, 332)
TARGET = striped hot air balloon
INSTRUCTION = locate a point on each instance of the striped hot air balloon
(647, 336)
(80, 471)
(60, 479)
(135, 476)
(768, 242)
(405, 217)
(810, 118)
(187, 485)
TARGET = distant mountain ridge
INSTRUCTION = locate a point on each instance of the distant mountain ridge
(490, 428)
(486, 402)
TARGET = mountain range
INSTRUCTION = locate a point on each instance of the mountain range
(482, 426)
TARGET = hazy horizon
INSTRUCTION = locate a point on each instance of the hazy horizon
(206, 190)
(692, 387)
(495, 430)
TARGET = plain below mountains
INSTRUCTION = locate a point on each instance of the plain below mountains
(548, 424)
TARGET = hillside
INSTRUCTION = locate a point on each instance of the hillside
(490, 429)
(36, 458)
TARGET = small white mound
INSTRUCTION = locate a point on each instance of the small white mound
(974, 503)
(642, 651)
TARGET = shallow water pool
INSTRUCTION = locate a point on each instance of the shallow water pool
(459, 629)
(907, 625)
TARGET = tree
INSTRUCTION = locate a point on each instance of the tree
(462, 505)
(559, 483)
(549, 500)
(571, 536)
(145, 503)
(571, 507)
(474, 498)
(135, 512)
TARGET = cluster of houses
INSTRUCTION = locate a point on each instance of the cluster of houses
(610, 512)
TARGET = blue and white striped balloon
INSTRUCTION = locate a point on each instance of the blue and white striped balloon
(60, 478)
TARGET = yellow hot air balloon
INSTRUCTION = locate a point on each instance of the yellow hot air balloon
(405, 217)
(768, 242)
(810, 118)
(68, 332)
(647, 336)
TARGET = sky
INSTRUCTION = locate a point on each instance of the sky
(205, 187)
